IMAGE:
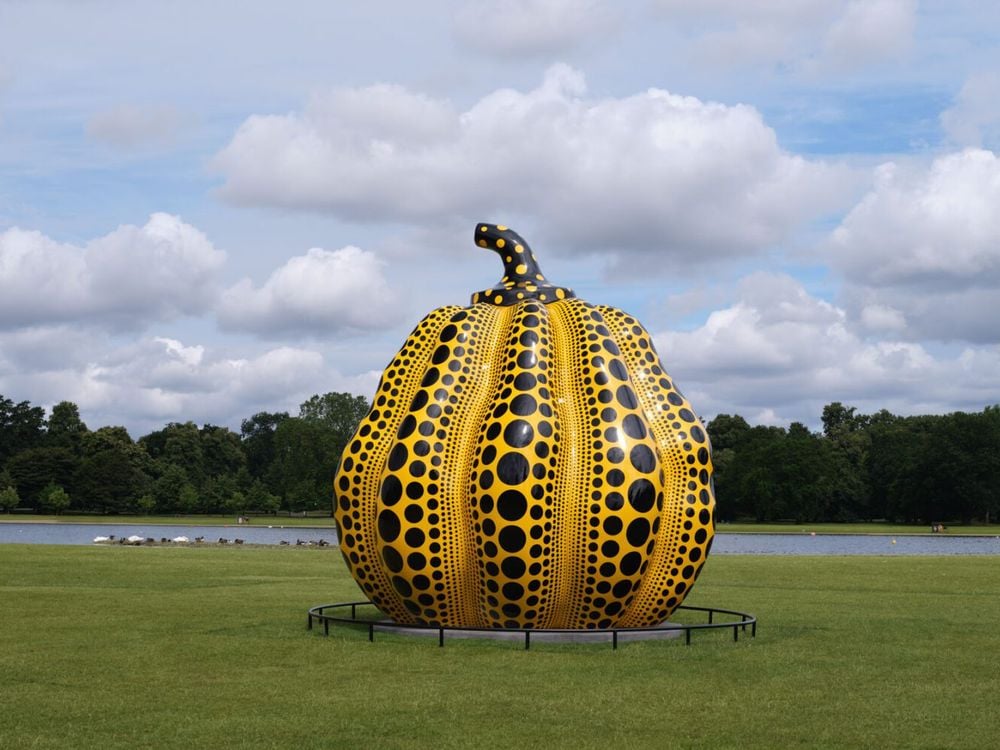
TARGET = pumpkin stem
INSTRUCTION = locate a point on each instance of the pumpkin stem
(522, 279)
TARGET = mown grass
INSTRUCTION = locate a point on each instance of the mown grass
(166, 647)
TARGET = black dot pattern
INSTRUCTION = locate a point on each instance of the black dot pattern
(511, 487)
(529, 464)
(687, 520)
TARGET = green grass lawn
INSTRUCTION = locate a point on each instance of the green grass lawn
(178, 647)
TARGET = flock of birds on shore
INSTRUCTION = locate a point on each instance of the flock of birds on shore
(137, 541)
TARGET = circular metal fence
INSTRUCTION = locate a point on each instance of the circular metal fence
(336, 613)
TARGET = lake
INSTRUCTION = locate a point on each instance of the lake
(725, 543)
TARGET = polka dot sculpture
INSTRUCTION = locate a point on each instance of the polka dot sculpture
(527, 463)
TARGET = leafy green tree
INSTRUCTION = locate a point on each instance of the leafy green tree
(221, 450)
(302, 472)
(34, 469)
(65, 428)
(189, 500)
(236, 502)
(54, 499)
(21, 427)
(258, 498)
(9, 499)
(114, 471)
(144, 504)
(257, 435)
(166, 488)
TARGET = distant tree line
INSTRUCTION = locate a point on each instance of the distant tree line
(276, 462)
(923, 469)
(861, 467)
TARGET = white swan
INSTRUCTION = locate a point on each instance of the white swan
(180, 539)
(98, 539)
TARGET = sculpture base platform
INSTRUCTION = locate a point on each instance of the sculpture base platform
(337, 614)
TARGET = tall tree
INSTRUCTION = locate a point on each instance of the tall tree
(65, 428)
(21, 427)
(257, 434)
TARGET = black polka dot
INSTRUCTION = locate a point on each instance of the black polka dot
(614, 501)
(414, 538)
(402, 586)
(616, 455)
(633, 427)
(391, 490)
(486, 479)
(388, 526)
(518, 434)
(626, 397)
(526, 359)
(441, 354)
(393, 560)
(525, 381)
(512, 468)
(512, 539)
(523, 405)
(642, 495)
(512, 506)
(513, 567)
(642, 459)
(630, 563)
(529, 339)
(637, 532)
(407, 427)
(512, 590)
(448, 333)
(416, 561)
(397, 458)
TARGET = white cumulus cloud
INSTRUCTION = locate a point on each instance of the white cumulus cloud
(925, 243)
(654, 173)
(321, 292)
(776, 349)
(161, 270)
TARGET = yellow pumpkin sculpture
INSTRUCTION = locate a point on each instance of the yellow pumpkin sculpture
(527, 463)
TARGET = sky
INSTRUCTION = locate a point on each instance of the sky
(209, 209)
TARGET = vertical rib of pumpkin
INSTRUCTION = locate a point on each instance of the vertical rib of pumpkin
(358, 481)
(574, 465)
(481, 367)
(511, 479)
(686, 529)
(625, 489)
(422, 530)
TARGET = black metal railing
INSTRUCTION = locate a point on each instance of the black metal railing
(319, 614)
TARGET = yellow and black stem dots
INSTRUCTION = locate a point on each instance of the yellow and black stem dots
(527, 463)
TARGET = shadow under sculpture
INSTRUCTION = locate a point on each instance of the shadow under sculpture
(527, 463)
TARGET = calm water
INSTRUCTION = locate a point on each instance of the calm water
(726, 544)
(84, 533)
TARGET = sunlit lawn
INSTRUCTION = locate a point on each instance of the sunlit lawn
(177, 647)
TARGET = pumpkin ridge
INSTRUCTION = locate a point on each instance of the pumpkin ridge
(487, 362)
(420, 520)
(357, 503)
(510, 482)
(686, 462)
(570, 406)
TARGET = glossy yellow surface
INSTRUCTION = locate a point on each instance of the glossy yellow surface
(527, 464)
